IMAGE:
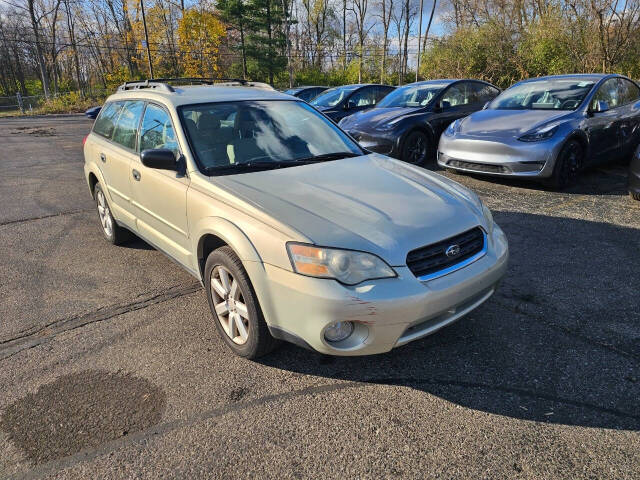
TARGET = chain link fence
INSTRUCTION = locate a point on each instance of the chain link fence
(19, 104)
(63, 102)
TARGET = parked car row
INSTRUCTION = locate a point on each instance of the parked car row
(300, 233)
(547, 129)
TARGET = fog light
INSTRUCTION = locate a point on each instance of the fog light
(338, 331)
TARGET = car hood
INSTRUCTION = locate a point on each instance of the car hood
(369, 119)
(370, 203)
(496, 124)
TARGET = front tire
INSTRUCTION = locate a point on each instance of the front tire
(112, 232)
(234, 305)
(415, 148)
(568, 165)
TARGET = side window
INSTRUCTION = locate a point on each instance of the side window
(456, 95)
(307, 95)
(127, 124)
(629, 91)
(157, 130)
(481, 93)
(382, 92)
(363, 97)
(608, 92)
(106, 121)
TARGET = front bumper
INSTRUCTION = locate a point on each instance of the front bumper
(387, 313)
(512, 158)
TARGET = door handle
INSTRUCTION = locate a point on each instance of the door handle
(103, 157)
(136, 175)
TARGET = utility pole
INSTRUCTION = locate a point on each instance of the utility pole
(287, 30)
(419, 35)
(146, 39)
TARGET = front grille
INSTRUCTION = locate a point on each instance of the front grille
(433, 258)
(478, 167)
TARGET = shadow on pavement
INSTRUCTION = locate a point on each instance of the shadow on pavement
(559, 342)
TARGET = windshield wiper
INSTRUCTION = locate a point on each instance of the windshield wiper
(274, 164)
(325, 157)
(242, 166)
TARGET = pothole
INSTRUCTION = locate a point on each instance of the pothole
(81, 410)
(35, 131)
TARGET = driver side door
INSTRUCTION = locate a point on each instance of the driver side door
(159, 197)
(361, 99)
(603, 127)
(456, 102)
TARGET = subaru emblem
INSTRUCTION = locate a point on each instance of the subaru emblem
(452, 251)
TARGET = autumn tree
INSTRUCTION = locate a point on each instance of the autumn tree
(200, 34)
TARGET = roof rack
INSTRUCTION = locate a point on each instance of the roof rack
(139, 84)
(164, 83)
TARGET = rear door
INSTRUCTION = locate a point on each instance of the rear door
(115, 148)
(159, 197)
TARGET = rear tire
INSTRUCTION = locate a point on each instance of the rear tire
(114, 233)
(415, 148)
(234, 305)
(568, 165)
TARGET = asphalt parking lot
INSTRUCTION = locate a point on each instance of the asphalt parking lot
(110, 366)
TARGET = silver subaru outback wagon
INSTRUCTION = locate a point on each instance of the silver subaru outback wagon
(295, 232)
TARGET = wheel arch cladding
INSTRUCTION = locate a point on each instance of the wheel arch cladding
(92, 183)
(216, 232)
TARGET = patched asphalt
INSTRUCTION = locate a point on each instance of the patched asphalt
(110, 366)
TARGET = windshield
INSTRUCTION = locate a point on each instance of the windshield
(549, 94)
(331, 97)
(228, 135)
(412, 95)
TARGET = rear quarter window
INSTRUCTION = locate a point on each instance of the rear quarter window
(106, 122)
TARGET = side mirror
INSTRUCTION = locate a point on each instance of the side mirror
(160, 158)
(601, 106)
(349, 105)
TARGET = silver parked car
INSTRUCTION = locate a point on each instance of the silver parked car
(547, 128)
(295, 231)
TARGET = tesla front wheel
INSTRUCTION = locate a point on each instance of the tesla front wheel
(234, 305)
(415, 148)
(568, 165)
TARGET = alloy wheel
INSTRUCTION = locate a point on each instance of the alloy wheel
(573, 160)
(417, 149)
(104, 213)
(230, 306)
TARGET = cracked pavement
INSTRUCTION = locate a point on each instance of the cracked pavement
(111, 367)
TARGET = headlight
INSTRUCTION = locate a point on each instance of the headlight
(540, 134)
(453, 128)
(347, 266)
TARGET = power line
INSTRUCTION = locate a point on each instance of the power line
(161, 48)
